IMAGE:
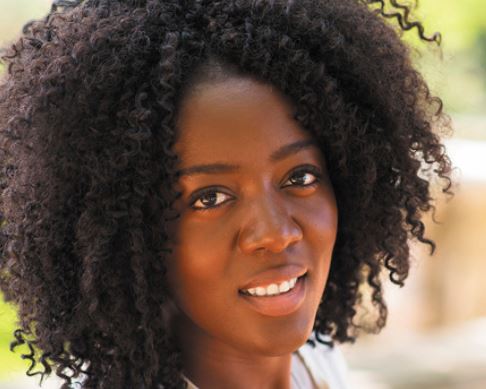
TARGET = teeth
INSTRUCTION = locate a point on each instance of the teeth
(259, 291)
(272, 289)
(284, 287)
(292, 282)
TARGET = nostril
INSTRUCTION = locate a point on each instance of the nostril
(275, 243)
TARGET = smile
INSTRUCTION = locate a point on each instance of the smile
(280, 304)
(272, 289)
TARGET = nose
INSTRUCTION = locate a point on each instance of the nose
(268, 226)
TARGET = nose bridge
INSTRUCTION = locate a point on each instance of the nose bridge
(267, 225)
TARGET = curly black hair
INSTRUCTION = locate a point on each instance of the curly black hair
(88, 111)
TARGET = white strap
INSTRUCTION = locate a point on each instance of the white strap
(317, 370)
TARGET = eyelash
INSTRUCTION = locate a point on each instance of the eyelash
(299, 172)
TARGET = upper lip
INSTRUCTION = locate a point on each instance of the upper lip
(275, 276)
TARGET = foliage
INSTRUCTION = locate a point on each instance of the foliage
(9, 362)
(459, 21)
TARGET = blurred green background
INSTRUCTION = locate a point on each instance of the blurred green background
(458, 75)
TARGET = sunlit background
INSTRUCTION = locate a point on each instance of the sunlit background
(435, 337)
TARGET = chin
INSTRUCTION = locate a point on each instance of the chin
(286, 339)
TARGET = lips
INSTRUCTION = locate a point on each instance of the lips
(279, 305)
(275, 276)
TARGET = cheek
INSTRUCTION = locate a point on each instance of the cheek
(199, 278)
(198, 260)
(321, 223)
(320, 219)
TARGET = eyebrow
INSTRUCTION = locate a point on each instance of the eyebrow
(220, 167)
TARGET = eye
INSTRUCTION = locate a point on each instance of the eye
(207, 199)
(210, 198)
(305, 176)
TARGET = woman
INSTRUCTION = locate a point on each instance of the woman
(194, 192)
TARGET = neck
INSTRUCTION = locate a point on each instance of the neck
(211, 363)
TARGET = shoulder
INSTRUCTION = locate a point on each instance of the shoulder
(325, 364)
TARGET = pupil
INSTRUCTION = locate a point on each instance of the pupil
(211, 196)
(300, 179)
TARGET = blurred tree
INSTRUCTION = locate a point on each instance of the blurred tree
(481, 51)
(14, 14)
(459, 21)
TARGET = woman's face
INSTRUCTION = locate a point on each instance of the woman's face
(257, 208)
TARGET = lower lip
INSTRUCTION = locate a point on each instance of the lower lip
(281, 304)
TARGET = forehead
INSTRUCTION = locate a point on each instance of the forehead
(235, 119)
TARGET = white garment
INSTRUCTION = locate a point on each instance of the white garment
(314, 368)
(325, 365)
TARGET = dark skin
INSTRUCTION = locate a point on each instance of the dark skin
(265, 214)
